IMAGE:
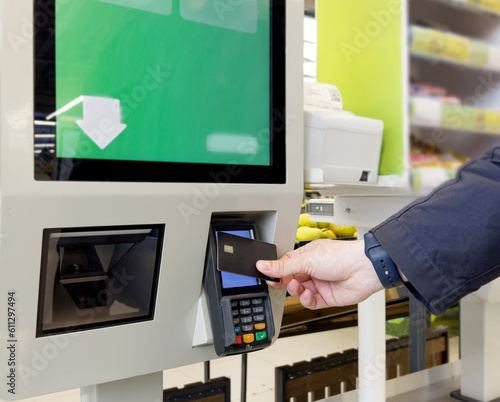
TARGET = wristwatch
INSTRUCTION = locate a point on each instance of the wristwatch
(384, 266)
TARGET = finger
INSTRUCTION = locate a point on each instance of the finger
(282, 284)
(281, 268)
(314, 295)
(295, 288)
(301, 277)
(312, 301)
(307, 294)
(309, 284)
(307, 300)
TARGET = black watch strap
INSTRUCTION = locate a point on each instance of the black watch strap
(384, 266)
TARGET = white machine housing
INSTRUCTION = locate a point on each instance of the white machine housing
(341, 147)
(27, 207)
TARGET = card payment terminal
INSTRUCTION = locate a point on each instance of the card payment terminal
(239, 306)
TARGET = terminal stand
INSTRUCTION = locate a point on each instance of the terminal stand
(480, 350)
(371, 350)
(366, 212)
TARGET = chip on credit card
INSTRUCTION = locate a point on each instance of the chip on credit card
(239, 255)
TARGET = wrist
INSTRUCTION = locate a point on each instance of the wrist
(385, 268)
(364, 267)
(403, 277)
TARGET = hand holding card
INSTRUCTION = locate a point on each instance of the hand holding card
(239, 255)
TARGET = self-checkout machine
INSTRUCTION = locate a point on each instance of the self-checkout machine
(131, 133)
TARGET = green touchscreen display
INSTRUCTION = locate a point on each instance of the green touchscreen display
(183, 81)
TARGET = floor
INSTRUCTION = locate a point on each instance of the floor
(260, 383)
(439, 392)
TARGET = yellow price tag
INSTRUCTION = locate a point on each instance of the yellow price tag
(492, 121)
(488, 5)
(487, 121)
(444, 46)
(480, 120)
(435, 44)
(457, 49)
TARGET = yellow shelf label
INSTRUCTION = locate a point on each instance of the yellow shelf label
(492, 121)
(489, 5)
(435, 44)
(457, 49)
(443, 46)
(487, 121)
(480, 119)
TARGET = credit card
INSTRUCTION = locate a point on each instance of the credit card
(239, 255)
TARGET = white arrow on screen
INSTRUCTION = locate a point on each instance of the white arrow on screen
(101, 119)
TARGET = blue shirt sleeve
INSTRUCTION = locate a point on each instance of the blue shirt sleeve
(448, 243)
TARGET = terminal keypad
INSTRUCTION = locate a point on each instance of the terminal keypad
(249, 321)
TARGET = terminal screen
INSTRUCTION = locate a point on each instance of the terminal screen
(141, 87)
(230, 280)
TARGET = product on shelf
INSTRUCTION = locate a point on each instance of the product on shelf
(421, 89)
(438, 112)
(488, 6)
(452, 48)
(304, 220)
(430, 167)
(432, 106)
(308, 231)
